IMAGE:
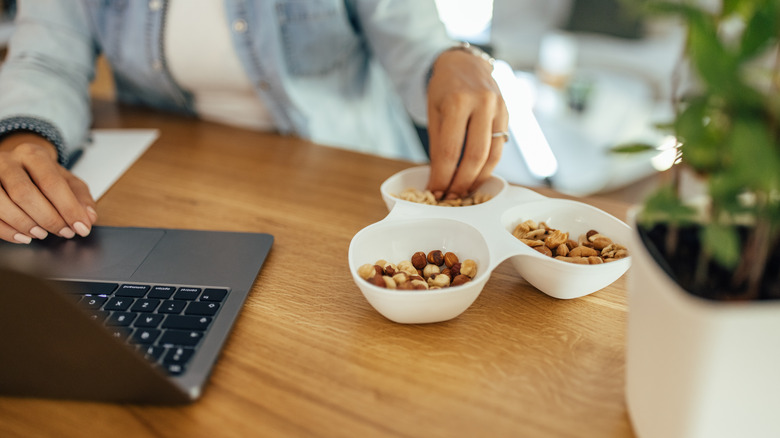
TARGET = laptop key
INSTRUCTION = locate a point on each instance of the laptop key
(87, 287)
(121, 333)
(187, 293)
(98, 315)
(118, 304)
(161, 292)
(145, 305)
(213, 295)
(186, 322)
(201, 308)
(178, 355)
(132, 290)
(152, 352)
(146, 336)
(149, 320)
(92, 302)
(120, 319)
(184, 338)
(171, 306)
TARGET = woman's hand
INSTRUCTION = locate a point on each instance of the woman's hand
(37, 195)
(465, 110)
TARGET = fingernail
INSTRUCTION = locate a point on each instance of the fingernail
(38, 232)
(92, 214)
(438, 194)
(21, 238)
(451, 196)
(81, 229)
(67, 233)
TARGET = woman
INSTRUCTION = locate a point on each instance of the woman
(347, 73)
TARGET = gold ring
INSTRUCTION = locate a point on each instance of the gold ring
(503, 134)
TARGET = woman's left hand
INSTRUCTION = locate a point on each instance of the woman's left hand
(465, 110)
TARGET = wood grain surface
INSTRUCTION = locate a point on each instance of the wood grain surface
(309, 356)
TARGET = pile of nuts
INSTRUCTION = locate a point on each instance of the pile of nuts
(426, 197)
(435, 270)
(590, 248)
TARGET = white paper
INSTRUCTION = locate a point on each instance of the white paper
(110, 154)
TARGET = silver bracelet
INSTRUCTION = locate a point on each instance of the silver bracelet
(474, 50)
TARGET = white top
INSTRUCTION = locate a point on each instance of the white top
(201, 59)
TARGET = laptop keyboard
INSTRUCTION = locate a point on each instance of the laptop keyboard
(166, 323)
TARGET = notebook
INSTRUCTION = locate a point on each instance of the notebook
(131, 315)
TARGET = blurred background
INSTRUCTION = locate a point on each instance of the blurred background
(594, 74)
(579, 77)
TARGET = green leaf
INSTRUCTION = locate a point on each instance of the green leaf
(760, 30)
(756, 164)
(722, 243)
(633, 148)
(664, 205)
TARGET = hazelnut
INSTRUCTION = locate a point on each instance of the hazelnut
(389, 282)
(407, 267)
(460, 279)
(418, 260)
(377, 280)
(366, 271)
(468, 268)
(435, 257)
(419, 284)
(447, 272)
(390, 269)
(431, 271)
(439, 280)
(400, 278)
(450, 259)
(405, 286)
(455, 269)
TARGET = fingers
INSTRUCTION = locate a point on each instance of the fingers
(465, 108)
(38, 197)
(446, 132)
(475, 154)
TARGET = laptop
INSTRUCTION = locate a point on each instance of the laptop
(128, 315)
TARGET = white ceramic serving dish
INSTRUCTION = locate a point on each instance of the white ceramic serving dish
(483, 233)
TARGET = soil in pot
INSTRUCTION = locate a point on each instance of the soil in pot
(717, 283)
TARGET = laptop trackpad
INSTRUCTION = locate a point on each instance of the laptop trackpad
(107, 253)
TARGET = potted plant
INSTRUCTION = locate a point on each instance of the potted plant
(703, 339)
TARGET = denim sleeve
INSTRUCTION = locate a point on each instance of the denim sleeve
(406, 36)
(44, 82)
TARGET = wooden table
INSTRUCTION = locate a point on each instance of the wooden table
(309, 356)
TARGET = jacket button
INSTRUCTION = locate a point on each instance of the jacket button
(239, 25)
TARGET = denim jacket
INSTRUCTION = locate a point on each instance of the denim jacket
(347, 73)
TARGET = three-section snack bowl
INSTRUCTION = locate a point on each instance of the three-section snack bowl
(483, 233)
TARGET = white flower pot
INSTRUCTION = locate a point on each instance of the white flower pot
(695, 367)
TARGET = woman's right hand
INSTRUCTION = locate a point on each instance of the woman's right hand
(37, 195)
